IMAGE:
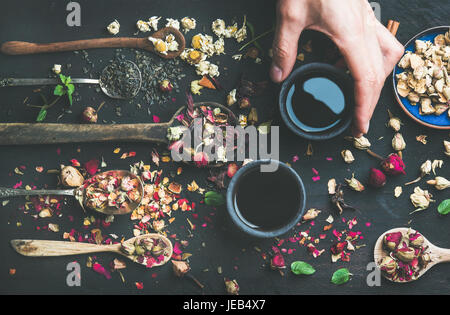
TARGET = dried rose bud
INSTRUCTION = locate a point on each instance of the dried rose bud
(425, 259)
(388, 265)
(355, 184)
(157, 250)
(140, 250)
(232, 286)
(165, 86)
(90, 115)
(440, 183)
(398, 143)
(416, 239)
(147, 243)
(395, 123)
(425, 168)
(361, 143)
(311, 214)
(180, 268)
(252, 116)
(420, 198)
(436, 164)
(71, 177)
(377, 178)
(277, 262)
(348, 157)
(128, 248)
(392, 240)
(406, 254)
(393, 165)
(447, 147)
(244, 103)
(231, 97)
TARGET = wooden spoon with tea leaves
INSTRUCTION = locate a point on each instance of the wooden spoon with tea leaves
(79, 194)
(26, 48)
(43, 133)
(437, 254)
(42, 248)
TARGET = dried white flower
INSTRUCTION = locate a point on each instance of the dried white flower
(420, 199)
(114, 27)
(188, 24)
(153, 22)
(348, 157)
(440, 183)
(143, 26)
(56, 69)
(173, 23)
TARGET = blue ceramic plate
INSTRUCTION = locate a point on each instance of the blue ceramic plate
(432, 121)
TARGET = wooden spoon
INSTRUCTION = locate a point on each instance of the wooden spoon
(438, 255)
(26, 48)
(41, 248)
(26, 133)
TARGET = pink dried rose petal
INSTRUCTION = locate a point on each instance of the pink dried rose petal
(295, 158)
(139, 285)
(91, 166)
(176, 249)
(101, 270)
(156, 119)
(316, 178)
(17, 185)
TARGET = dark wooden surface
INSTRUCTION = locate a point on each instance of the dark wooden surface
(214, 245)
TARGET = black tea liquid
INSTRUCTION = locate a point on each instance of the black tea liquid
(267, 200)
(315, 103)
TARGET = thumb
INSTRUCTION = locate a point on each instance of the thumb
(285, 47)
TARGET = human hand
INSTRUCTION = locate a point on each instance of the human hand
(368, 48)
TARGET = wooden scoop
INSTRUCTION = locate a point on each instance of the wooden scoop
(40, 248)
(438, 255)
(26, 48)
(37, 133)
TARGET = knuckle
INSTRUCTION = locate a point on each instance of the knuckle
(281, 49)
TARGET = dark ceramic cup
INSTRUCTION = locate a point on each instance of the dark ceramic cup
(290, 178)
(336, 75)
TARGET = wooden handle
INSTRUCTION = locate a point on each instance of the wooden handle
(26, 48)
(37, 248)
(25, 133)
(443, 254)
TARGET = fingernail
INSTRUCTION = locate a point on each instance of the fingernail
(276, 73)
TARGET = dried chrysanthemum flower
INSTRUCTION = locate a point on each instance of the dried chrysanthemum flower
(440, 183)
(56, 69)
(394, 122)
(232, 286)
(354, 184)
(173, 23)
(420, 199)
(165, 86)
(425, 169)
(71, 177)
(311, 214)
(143, 26)
(153, 22)
(188, 24)
(114, 27)
(348, 157)
(447, 147)
(436, 164)
(398, 143)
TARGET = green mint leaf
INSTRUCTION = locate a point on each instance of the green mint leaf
(340, 276)
(215, 199)
(302, 268)
(42, 114)
(68, 80)
(62, 78)
(59, 90)
(444, 207)
(70, 88)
